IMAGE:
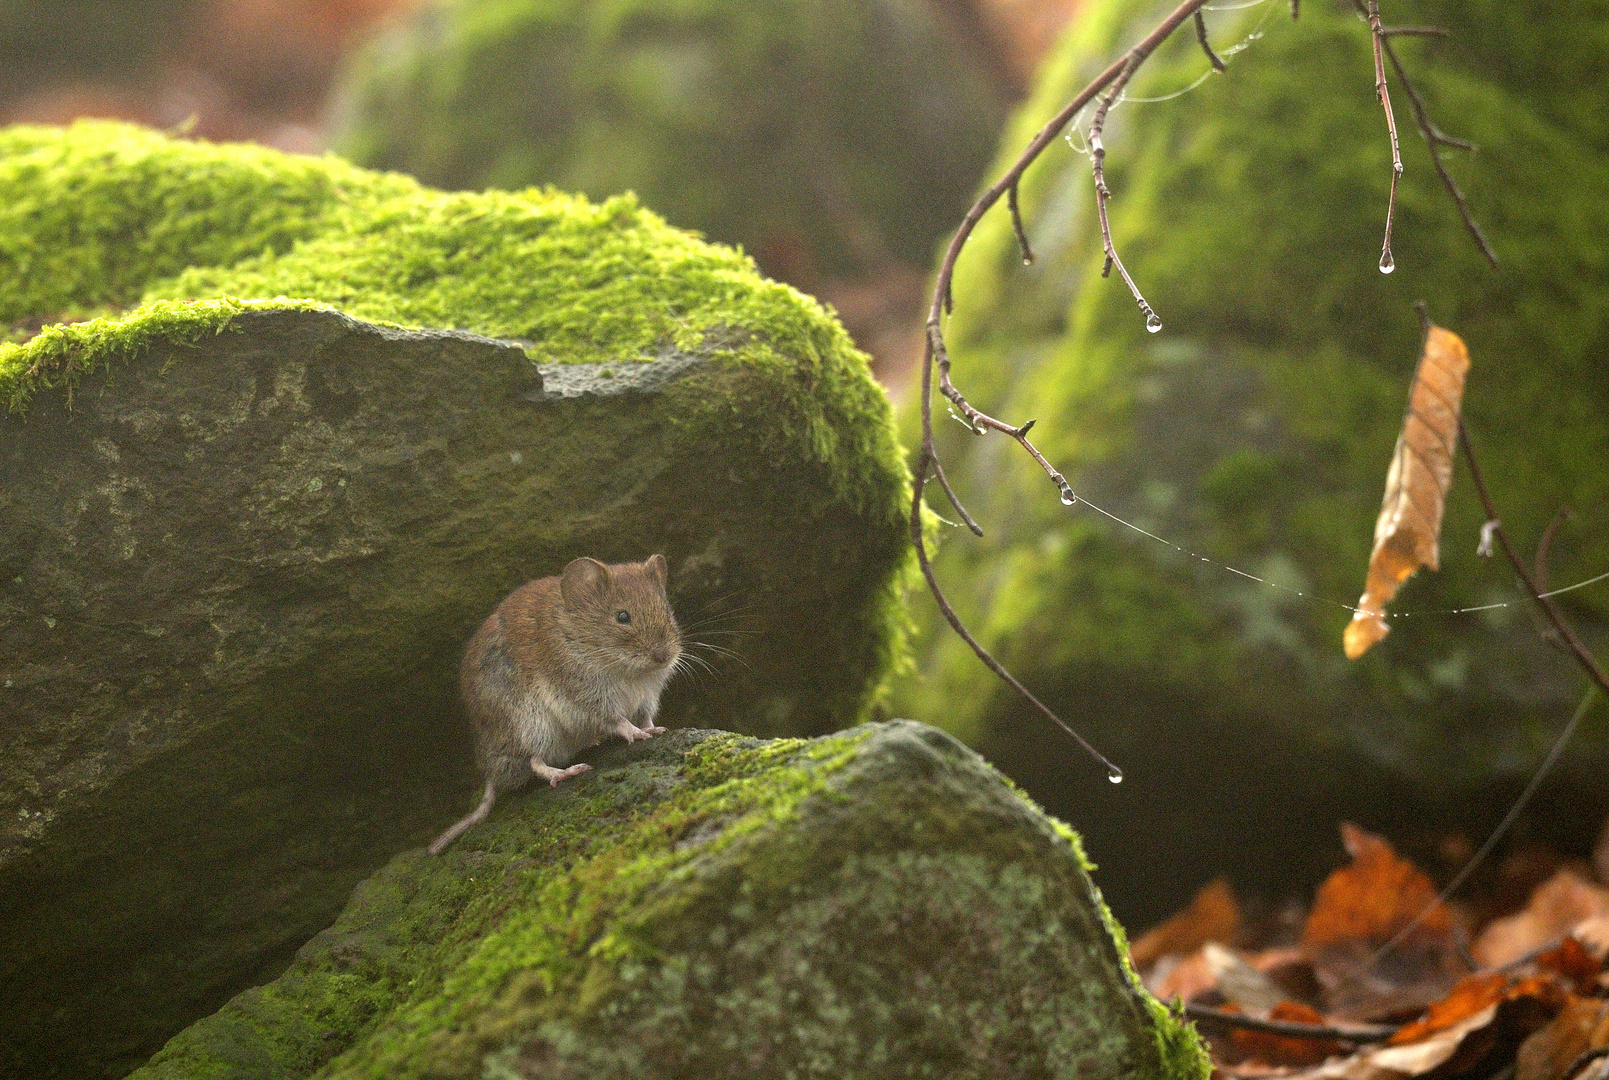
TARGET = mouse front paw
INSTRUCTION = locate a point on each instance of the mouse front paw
(631, 732)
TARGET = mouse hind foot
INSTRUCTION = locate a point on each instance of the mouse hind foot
(552, 775)
(475, 817)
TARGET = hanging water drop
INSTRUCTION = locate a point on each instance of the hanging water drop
(1152, 323)
(1114, 774)
(1067, 496)
(1387, 263)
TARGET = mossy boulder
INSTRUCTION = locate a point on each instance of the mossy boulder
(1255, 429)
(245, 540)
(821, 135)
(878, 903)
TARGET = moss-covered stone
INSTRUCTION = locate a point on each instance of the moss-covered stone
(245, 540)
(806, 130)
(1256, 427)
(878, 903)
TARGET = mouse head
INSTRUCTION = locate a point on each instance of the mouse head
(619, 614)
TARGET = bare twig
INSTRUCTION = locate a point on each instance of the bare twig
(1097, 157)
(1206, 46)
(1578, 649)
(1371, 9)
(1016, 224)
(1544, 547)
(1105, 89)
(1352, 1033)
(1433, 135)
(944, 482)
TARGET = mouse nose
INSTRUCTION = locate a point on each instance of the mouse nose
(660, 654)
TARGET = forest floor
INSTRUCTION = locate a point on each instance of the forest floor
(1378, 978)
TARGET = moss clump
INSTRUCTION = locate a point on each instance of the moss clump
(1257, 426)
(799, 130)
(109, 214)
(876, 903)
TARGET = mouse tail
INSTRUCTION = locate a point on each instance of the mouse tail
(475, 817)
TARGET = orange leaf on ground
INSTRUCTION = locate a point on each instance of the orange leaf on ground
(1374, 898)
(1557, 906)
(1280, 1049)
(1574, 962)
(1213, 915)
(1408, 531)
(1477, 994)
(1182, 978)
(1583, 1024)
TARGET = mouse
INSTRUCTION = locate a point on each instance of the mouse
(562, 664)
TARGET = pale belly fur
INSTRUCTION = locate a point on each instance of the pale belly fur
(556, 727)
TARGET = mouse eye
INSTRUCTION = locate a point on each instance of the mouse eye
(623, 617)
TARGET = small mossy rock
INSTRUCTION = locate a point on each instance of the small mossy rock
(803, 130)
(245, 540)
(1256, 428)
(877, 903)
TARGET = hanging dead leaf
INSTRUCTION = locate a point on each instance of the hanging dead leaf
(1408, 531)
(1213, 915)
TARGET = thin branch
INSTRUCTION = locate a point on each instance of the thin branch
(1296, 11)
(1206, 46)
(1437, 139)
(1432, 134)
(1578, 649)
(1097, 157)
(1352, 1033)
(1107, 86)
(1113, 773)
(1544, 547)
(944, 482)
(1016, 224)
(1371, 9)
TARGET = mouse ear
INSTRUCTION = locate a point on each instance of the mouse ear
(583, 580)
(657, 568)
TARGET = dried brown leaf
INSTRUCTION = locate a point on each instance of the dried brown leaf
(1408, 531)
(1583, 1024)
(1213, 915)
(1374, 897)
(1557, 906)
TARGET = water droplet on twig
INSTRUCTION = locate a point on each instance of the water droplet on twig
(1387, 263)
(1067, 496)
(1114, 774)
(1152, 323)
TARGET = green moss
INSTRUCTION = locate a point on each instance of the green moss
(636, 923)
(1256, 427)
(109, 214)
(797, 130)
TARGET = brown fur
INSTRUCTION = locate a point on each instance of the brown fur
(552, 671)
